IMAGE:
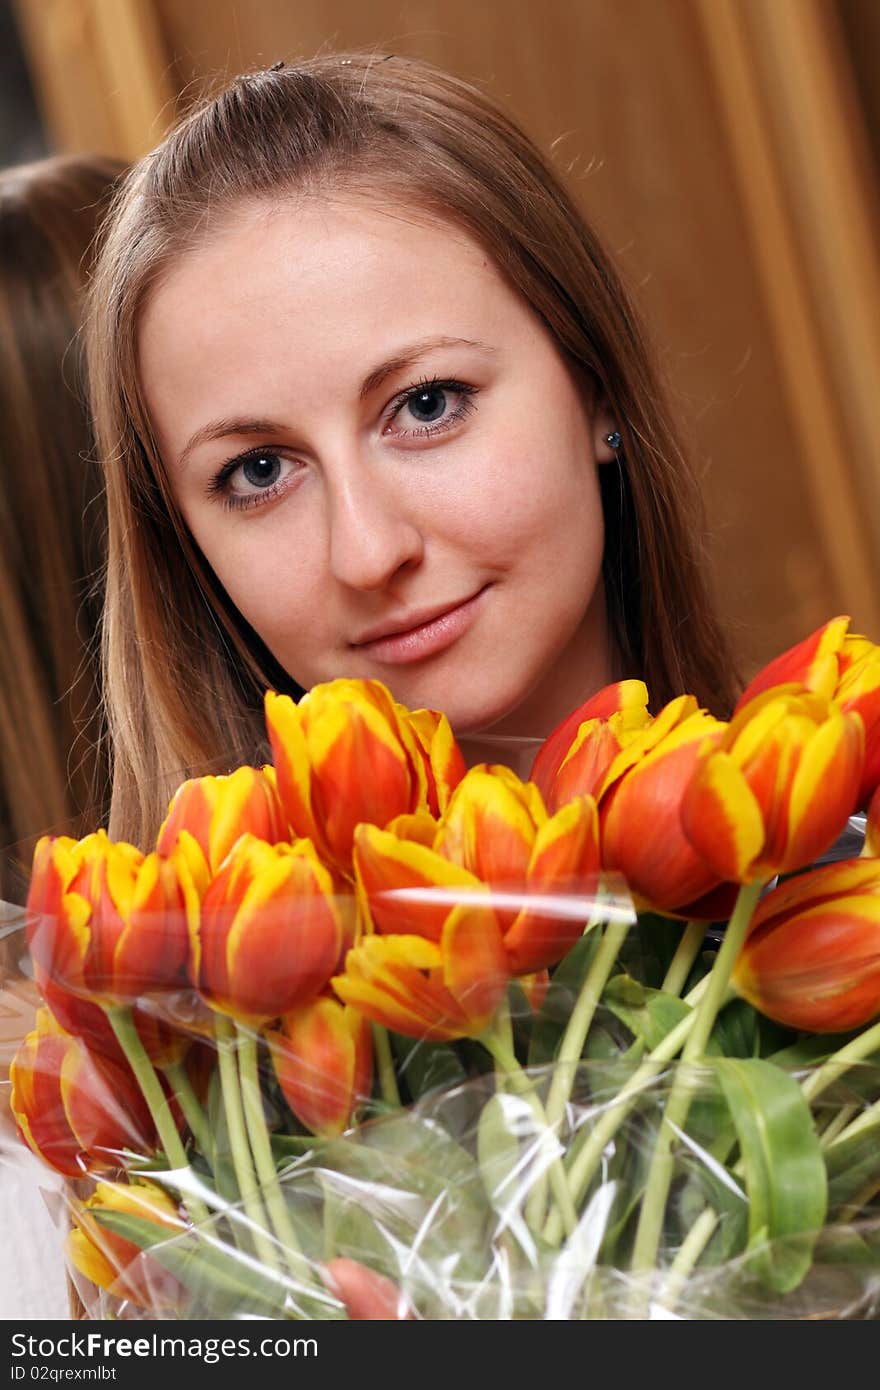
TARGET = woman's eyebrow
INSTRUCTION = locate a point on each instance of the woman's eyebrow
(219, 429)
(409, 355)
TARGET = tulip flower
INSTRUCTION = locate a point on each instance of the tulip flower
(108, 923)
(367, 1296)
(323, 1059)
(270, 930)
(496, 834)
(811, 960)
(347, 753)
(78, 1112)
(838, 665)
(777, 789)
(623, 705)
(116, 1264)
(437, 991)
(812, 664)
(639, 811)
(217, 810)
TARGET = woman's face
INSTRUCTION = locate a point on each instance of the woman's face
(381, 454)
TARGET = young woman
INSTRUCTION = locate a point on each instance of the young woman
(372, 402)
(51, 522)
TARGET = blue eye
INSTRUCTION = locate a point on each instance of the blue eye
(431, 407)
(428, 405)
(261, 470)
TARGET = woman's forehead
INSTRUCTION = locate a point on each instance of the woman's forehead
(338, 276)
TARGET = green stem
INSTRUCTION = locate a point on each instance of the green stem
(238, 1142)
(571, 1047)
(685, 1082)
(504, 1057)
(385, 1065)
(691, 1249)
(261, 1147)
(839, 1121)
(581, 1017)
(127, 1036)
(867, 1120)
(178, 1079)
(587, 1156)
(861, 1047)
(686, 953)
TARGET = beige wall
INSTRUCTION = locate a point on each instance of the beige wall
(720, 147)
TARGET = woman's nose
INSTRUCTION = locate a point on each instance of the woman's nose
(372, 533)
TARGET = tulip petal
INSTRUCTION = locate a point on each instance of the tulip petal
(384, 980)
(290, 755)
(629, 695)
(319, 1059)
(722, 819)
(489, 826)
(583, 769)
(824, 790)
(409, 888)
(475, 968)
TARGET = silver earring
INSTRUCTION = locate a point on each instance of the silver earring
(613, 439)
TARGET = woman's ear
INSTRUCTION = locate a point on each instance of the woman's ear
(606, 435)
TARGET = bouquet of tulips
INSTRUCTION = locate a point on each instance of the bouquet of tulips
(372, 1035)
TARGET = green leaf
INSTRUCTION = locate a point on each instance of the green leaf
(425, 1066)
(784, 1168)
(219, 1282)
(649, 1014)
(735, 1032)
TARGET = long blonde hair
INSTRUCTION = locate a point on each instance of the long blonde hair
(184, 674)
(52, 773)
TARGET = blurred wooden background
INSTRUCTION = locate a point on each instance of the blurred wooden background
(728, 152)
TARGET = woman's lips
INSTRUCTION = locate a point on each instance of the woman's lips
(399, 648)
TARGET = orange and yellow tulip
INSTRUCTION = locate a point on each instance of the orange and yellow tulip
(495, 834)
(270, 930)
(640, 813)
(811, 960)
(108, 923)
(78, 1112)
(437, 991)
(346, 753)
(323, 1059)
(841, 666)
(777, 789)
(217, 810)
(116, 1264)
(812, 664)
(575, 756)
